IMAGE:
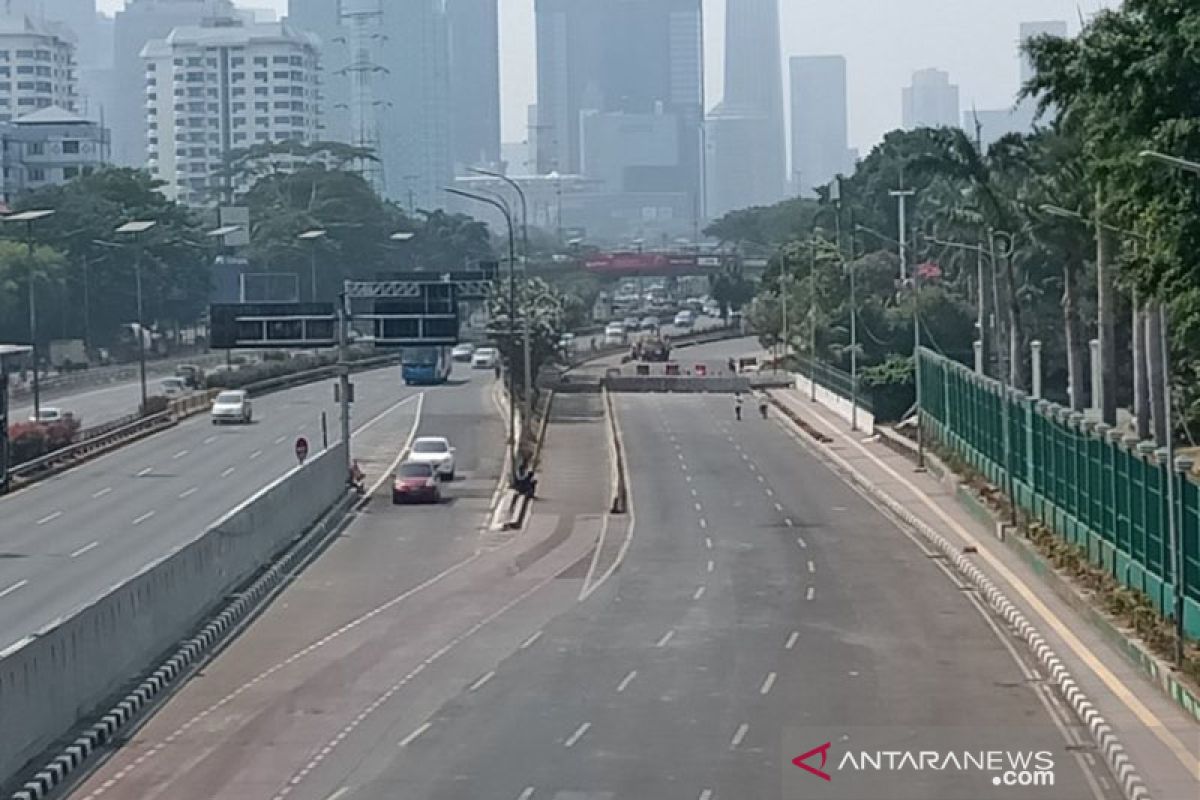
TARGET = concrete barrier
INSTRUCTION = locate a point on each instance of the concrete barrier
(51, 681)
(836, 403)
(666, 383)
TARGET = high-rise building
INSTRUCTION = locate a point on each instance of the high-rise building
(92, 35)
(747, 155)
(220, 87)
(820, 139)
(931, 101)
(37, 64)
(635, 59)
(386, 85)
(135, 25)
(474, 82)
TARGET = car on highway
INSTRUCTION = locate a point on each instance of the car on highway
(48, 415)
(463, 352)
(436, 451)
(173, 387)
(485, 358)
(416, 482)
(649, 323)
(684, 319)
(614, 333)
(232, 405)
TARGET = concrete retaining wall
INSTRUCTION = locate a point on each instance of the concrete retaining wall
(51, 681)
(634, 383)
(837, 404)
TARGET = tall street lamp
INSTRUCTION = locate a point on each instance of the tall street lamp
(524, 206)
(135, 229)
(312, 237)
(30, 217)
(512, 321)
(981, 295)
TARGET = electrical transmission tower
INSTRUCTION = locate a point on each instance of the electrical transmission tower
(362, 21)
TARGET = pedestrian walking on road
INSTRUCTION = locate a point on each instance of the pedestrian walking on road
(737, 406)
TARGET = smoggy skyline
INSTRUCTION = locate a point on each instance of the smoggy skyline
(883, 42)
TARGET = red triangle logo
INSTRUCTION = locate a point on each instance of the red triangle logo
(800, 760)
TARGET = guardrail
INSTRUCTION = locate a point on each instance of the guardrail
(56, 385)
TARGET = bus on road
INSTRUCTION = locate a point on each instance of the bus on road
(425, 366)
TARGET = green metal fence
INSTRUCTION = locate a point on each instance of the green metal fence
(1104, 493)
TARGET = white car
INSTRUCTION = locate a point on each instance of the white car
(485, 358)
(232, 406)
(48, 415)
(435, 451)
(463, 351)
(684, 319)
(614, 333)
(174, 387)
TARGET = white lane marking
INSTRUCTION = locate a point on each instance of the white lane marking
(687, 478)
(102, 492)
(525, 795)
(13, 588)
(228, 472)
(753, 468)
(255, 454)
(698, 506)
(789, 522)
(279, 440)
(791, 640)
(699, 593)
(706, 795)
(770, 492)
(366, 425)
(339, 794)
(695, 493)
(412, 737)
(482, 680)
(683, 467)
(144, 517)
(708, 542)
(761, 479)
(839, 508)
(811, 566)
(703, 522)
(739, 735)
(412, 434)
(767, 683)
(529, 642)
(180, 455)
(85, 549)
(628, 679)
(145, 472)
(666, 637)
(188, 492)
(710, 565)
(49, 518)
(744, 456)
(210, 440)
(811, 593)
(680, 456)
(577, 735)
(778, 507)
(800, 541)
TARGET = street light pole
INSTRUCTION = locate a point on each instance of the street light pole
(135, 229)
(29, 217)
(512, 310)
(524, 206)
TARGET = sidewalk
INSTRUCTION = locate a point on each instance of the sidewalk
(1160, 737)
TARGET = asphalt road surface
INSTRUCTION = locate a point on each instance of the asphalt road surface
(762, 609)
(68, 539)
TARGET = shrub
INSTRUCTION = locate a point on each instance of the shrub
(27, 441)
(155, 405)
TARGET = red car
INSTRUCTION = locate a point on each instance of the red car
(416, 483)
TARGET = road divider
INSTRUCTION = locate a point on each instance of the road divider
(52, 681)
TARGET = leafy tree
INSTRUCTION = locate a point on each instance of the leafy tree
(545, 310)
(17, 267)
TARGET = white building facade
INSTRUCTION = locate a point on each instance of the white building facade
(37, 67)
(216, 89)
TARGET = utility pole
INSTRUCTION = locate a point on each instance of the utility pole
(344, 372)
(902, 195)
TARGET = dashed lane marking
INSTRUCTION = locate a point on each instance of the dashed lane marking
(739, 735)
(708, 543)
(188, 492)
(778, 507)
(144, 517)
(767, 683)
(146, 471)
(791, 640)
(86, 548)
(474, 687)
(13, 588)
(789, 522)
(574, 738)
(628, 679)
(666, 637)
(412, 737)
(210, 440)
(711, 565)
(703, 522)
(800, 541)
(180, 455)
(811, 593)
(529, 642)
(49, 518)
(699, 593)
(101, 493)
(229, 471)
(811, 566)
(255, 454)
(526, 794)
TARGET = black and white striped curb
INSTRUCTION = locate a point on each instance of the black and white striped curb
(1132, 785)
(190, 652)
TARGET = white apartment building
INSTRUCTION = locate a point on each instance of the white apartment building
(37, 67)
(218, 88)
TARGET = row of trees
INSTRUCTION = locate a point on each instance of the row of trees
(83, 272)
(1061, 236)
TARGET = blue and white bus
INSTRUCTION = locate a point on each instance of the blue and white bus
(425, 366)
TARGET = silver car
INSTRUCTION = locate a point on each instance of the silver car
(232, 406)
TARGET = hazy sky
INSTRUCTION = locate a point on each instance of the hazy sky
(884, 41)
